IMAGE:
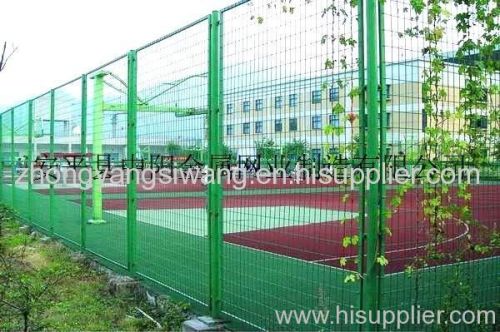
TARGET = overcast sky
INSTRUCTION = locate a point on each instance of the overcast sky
(58, 40)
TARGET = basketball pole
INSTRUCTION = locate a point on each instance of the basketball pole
(97, 128)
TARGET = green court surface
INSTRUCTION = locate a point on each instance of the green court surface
(238, 219)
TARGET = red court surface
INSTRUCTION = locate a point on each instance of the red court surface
(321, 243)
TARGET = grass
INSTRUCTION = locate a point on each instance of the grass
(76, 296)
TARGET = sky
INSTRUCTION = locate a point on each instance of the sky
(58, 40)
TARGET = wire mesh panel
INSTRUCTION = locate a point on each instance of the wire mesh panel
(20, 156)
(7, 164)
(438, 251)
(172, 96)
(290, 73)
(67, 136)
(106, 145)
(40, 200)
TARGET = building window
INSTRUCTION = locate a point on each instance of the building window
(334, 94)
(315, 154)
(484, 97)
(334, 151)
(388, 92)
(246, 106)
(278, 125)
(278, 102)
(258, 127)
(478, 121)
(388, 120)
(229, 108)
(246, 128)
(259, 104)
(316, 122)
(424, 120)
(293, 100)
(292, 124)
(229, 130)
(334, 120)
(316, 97)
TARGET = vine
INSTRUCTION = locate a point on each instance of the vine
(442, 203)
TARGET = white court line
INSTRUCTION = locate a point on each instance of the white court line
(239, 219)
(401, 250)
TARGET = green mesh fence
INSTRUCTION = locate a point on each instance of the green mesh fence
(283, 105)
(116, 162)
(106, 137)
(20, 140)
(172, 86)
(67, 133)
(415, 117)
(7, 157)
(40, 198)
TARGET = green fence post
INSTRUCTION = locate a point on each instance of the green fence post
(30, 157)
(51, 153)
(373, 208)
(383, 128)
(131, 152)
(214, 148)
(361, 148)
(83, 151)
(12, 159)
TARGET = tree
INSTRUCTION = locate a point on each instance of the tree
(266, 149)
(173, 149)
(294, 149)
(25, 288)
(6, 55)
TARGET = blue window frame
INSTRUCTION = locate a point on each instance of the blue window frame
(334, 120)
(334, 94)
(316, 122)
(316, 97)
(259, 104)
(278, 125)
(258, 127)
(246, 128)
(246, 106)
(293, 100)
(278, 102)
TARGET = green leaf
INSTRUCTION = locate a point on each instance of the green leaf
(345, 197)
(338, 109)
(350, 278)
(343, 261)
(382, 260)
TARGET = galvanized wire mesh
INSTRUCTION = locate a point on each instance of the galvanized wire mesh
(40, 198)
(67, 133)
(448, 282)
(106, 138)
(172, 86)
(287, 82)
